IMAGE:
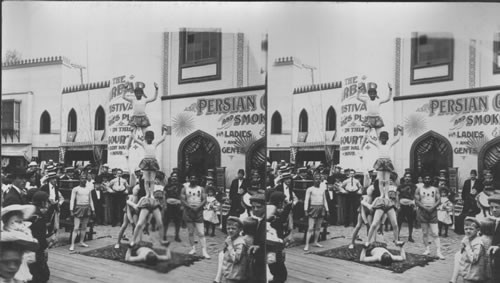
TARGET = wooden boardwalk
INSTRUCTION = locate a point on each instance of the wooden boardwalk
(308, 267)
(69, 266)
(66, 266)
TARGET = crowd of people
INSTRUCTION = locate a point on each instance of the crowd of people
(189, 201)
(258, 213)
(424, 200)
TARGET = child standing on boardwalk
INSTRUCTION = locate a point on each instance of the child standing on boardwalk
(444, 212)
(235, 255)
(210, 212)
(471, 260)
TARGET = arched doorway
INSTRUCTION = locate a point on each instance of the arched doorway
(256, 156)
(430, 153)
(197, 153)
(489, 158)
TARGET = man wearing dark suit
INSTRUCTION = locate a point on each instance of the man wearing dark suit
(98, 200)
(472, 187)
(55, 200)
(494, 250)
(239, 187)
(16, 193)
(257, 250)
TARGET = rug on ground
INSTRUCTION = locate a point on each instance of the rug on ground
(345, 253)
(178, 259)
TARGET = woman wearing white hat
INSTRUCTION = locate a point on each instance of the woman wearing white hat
(15, 231)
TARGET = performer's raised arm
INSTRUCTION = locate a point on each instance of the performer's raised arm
(388, 97)
(134, 138)
(155, 96)
(163, 136)
(396, 140)
(358, 97)
(125, 97)
(372, 141)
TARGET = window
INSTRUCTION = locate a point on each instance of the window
(72, 121)
(45, 123)
(276, 123)
(496, 54)
(331, 119)
(11, 116)
(303, 121)
(199, 56)
(431, 58)
(99, 119)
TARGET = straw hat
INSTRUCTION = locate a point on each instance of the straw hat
(24, 240)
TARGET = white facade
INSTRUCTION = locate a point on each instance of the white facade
(291, 93)
(225, 114)
(37, 84)
(461, 114)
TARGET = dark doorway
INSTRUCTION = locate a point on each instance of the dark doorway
(489, 158)
(256, 156)
(198, 152)
(430, 153)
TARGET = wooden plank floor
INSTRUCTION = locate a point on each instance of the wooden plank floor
(308, 267)
(66, 266)
(69, 266)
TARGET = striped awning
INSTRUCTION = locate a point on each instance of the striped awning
(12, 150)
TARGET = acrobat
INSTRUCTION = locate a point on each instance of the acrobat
(139, 119)
(146, 255)
(383, 165)
(381, 254)
(149, 204)
(373, 119)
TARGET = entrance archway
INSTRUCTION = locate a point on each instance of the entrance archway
(197, 153)
(430, 153)
(489, 158)
(256, 156)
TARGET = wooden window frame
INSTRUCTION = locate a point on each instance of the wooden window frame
(422, 65)
(202, 62)
(496, 53)
(14, 128)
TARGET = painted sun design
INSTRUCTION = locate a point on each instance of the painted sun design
(244, 143)
(415, 124)
(182, 124)
(476, 144)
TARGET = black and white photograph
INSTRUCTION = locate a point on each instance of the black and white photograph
(250, 142)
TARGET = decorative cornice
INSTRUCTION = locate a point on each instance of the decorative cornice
(281, 61)
(447, 93)
(88, 86)
(36, 62)
(317, 87)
